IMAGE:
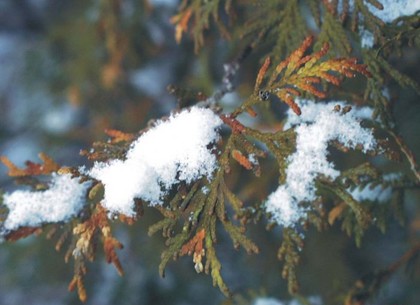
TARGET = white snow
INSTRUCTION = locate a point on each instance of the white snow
(394, 9)
(63, 200)
(377, 193)
(318, 125)
(313, 300)
(367, 39)
(173, 151)
(267, 301)
(166, 3)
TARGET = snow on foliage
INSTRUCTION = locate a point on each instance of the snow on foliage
(318, 125)
(379, 192)
(313, 300)
(173, 151)
(63, 200)
(267, 301)
(372, 193)
(392, 9)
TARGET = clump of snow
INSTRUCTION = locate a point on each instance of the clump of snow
(173, 151)
(318, 125)
(63, 200)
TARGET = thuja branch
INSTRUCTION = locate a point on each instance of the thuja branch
(298, 74)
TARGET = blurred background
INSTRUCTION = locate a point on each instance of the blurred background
(70, 69)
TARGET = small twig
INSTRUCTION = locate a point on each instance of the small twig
(366, 287)
(408, 154)
(230, 70)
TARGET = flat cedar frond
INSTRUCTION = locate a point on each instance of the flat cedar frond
(200, 211)
(22, 233)
(110, 244)
(194, 17)
(77, 280)
(87, 234)
(288, 252)
(119, 136)
(333, 32)
(195, 247)
(280, 22)
(101, 151)
(32, 169)
(299, 73)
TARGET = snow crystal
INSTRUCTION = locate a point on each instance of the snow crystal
(173, 151)
(318, 125)
(63, 200)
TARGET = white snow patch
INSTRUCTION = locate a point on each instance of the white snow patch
(166, 3)
(318, 125)
(63, 200)
(394, 9)
(173, 151)
(267, 301)
(367, 39)
(377, 193)
(313, 300)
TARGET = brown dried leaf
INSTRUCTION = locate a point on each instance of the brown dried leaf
(119, 136)
(336, 212)
(195, 245)
(242, 160)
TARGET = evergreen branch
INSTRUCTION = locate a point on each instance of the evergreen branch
(194, 17)
(298, 74)
(288, 252)
(333, 33)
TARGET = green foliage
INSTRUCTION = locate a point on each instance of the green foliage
(194, 216)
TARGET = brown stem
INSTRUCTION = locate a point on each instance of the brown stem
(366, 287)
(408, 154)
